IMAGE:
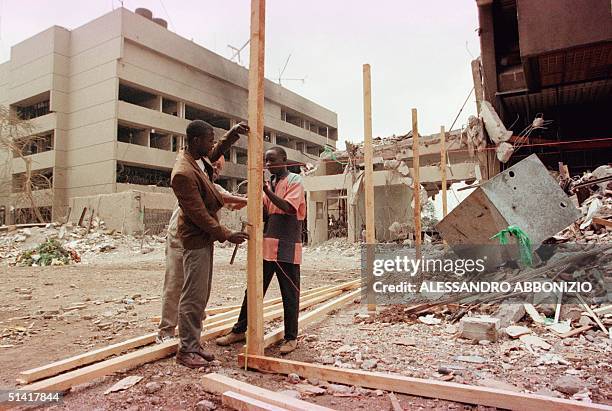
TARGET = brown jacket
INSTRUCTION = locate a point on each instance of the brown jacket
(199, 200)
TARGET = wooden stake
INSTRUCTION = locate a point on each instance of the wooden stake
(255, 179)
(369, 182)
(417, 184)
(443, 170)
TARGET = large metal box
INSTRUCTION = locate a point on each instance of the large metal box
(524, 195)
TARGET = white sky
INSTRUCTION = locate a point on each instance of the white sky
(420, 51)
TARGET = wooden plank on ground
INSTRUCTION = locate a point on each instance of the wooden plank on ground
(594, 316)
(242, 402)
(602, 222)
(277, 334)
(576, 331)
(255, 173)
(99, 354)
(464, 393)
(65, 381)
(218, 384)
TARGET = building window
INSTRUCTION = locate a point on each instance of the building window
(169, 106)
(142, 176)
(33, 107)
(241, 156)
(160, 141)
(33, 145)
(215, 120)
(138, 97)
(132, 135)
(284, 141)
(39, 180)
(27, 215)
(319, 210)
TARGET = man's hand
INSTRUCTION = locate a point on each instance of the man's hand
(240, 128)
(238, 237)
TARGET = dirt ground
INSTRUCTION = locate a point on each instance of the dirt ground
(50, 313)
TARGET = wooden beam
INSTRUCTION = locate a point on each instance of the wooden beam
(255, 173)
(368, 182)
(241, 402)
(100, 354)
(593, 315)
(443, 171)
(64, 382)
(416, 191)
(464, 393)
(277, 334)
(218, 384)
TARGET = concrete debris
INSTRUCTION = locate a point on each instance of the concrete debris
(479, 328)
(124, 384)
(515, 331)
(569, 384)
(430, 319)
(152, 387)
(510, 312)
(61, 244)
(205, 405)
(504, 151)
(476, 359)
(533, 341)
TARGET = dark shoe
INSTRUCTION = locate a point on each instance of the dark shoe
(206, 355)
(190, 359)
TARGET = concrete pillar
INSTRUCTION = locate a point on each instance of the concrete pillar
(317, 227)
(233, 156)
(181, 109)
(273, 137)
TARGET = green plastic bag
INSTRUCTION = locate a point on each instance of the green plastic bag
(523, 240)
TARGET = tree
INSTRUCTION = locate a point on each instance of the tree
(16, 141)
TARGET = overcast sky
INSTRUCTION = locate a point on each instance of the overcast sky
(420, 51)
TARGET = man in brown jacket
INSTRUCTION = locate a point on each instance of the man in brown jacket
(198, 229)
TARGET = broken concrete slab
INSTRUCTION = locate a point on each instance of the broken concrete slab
(479, 328)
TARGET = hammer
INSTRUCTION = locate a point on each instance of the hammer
(243, 226)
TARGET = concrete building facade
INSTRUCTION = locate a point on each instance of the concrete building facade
(111, 101)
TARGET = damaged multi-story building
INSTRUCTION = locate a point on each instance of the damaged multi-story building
(546, 72)
(110, 101)
(542, 86)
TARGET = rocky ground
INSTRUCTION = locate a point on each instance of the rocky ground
(49, 313)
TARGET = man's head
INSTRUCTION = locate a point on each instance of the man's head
(276, 160)
(200, 138)
(217, 167)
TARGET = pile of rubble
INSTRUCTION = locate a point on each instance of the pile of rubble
(69, 243)
(592, 193)
(335, 246)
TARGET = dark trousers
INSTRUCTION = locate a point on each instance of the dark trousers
(288, 276)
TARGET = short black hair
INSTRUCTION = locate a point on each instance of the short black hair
(198, 128)
(280, 151)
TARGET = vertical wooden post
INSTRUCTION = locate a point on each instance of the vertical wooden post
(443, 170)
(417, 184)
(368, 180)
(255, 178)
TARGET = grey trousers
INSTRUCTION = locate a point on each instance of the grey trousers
(197, 269)
(173, 284)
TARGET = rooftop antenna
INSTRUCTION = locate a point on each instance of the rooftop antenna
(237, 51)
(280, 74)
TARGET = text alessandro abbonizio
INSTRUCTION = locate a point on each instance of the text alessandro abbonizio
(409, 266)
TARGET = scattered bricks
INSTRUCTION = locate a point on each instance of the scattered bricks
(479, 328)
